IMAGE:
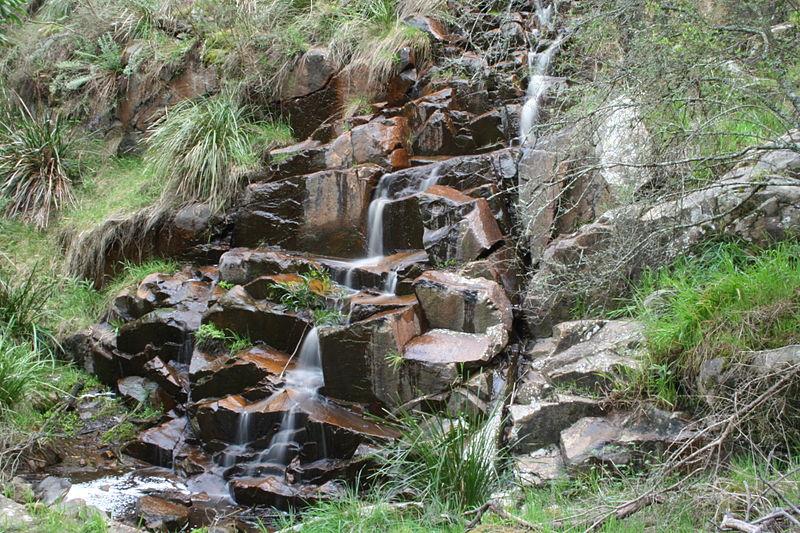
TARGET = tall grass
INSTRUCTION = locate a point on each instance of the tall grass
(23, 306)
(39, 166)
(449, 461)
(23, 367)
(202, 149)
(721, 303)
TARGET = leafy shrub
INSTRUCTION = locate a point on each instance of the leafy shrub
(309, 292)
(39, 166)
(23, 307)
(202, 149)
(212, 339)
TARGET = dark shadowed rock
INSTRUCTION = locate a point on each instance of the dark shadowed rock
(257, 320)
(221, 376)
(471, 305)
(363, 305)
(539, 424)
(95, 350)
(457, 227)
(501, 266)
(165, 331)
(242, 266)
(322, 213)
(356, 359)
(312, 72)
(156, 445)
(276, 492)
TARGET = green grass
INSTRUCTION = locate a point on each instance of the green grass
(120, 187)
(209, 337)
(23, 367)
(57, 519)
(722, 302)
(201, 149)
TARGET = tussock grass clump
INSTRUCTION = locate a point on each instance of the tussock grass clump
(39, 166)
(23, 368)
(449, 461)
(202, 149)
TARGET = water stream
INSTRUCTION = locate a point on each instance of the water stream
(538, 85)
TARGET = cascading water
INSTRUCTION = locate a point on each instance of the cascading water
(304, 381)
(538, 85)
(384, 194)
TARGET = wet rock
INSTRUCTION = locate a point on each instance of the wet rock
(164, 329)
(381, 142)
(461, 172)
(402, 225)
(457, 227)
(471, 305)
(488, 128)
(540, 423)
(501, 267)
(435, 361)
(296, 160)
(156, 445)
(242, 266)
(455, 349)
(159, 514)
(170, 379)
(259, 321)
(52, 489)
(539, 467)
(95, 350)
(356, 359)
(624, 438)
(138, 390)
(323, 212)
(375, 273)
(437, 136)
(317, 419)
(364, 305)
(306, 113)
(222, 376)
(276, 492)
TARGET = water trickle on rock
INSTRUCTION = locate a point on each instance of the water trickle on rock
(538, 86)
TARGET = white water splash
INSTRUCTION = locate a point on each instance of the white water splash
(538, 84)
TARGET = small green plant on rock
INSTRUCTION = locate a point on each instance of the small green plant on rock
(394, 359)
(210, 338)
(227, 285)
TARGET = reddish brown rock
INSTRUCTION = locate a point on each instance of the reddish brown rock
(160, 514)
(156, 445)
(471, 305)
(221, 376)
(457, 227)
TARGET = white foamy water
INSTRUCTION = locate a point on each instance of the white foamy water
(538, 84)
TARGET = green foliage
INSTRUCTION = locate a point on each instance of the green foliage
(23, 306)
(394, 359)
(312, 291)
(39, 165)
(724, 301)
(209, 337)
(10, 11)
(200, 150)
(227, 285)
(23, 367)
(449, 461)
(95, 69)
(58, 519)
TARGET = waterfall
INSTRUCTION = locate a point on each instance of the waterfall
(538, 84)
(304, 381)
(375, 227)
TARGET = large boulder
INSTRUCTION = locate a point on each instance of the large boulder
(262, 321)
(157, 445)
(357, 359)
(241, 266)
(622, 439)
(381, 141)
(221, 376)
(323, 212)
(592, 353)
(540, 423)
(599, 261)
(457, 227)
(471, 305)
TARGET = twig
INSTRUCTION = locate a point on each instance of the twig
(729, 522)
